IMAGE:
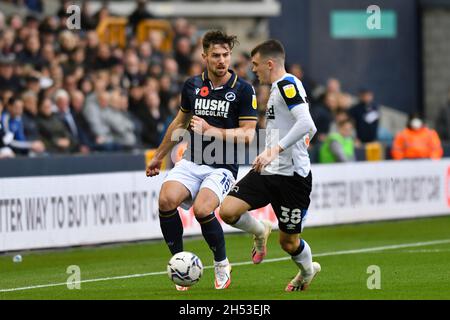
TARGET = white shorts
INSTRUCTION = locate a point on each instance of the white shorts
(195, 177)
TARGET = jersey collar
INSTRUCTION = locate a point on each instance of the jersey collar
(231, 83)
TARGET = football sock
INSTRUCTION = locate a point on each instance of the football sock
(250, 224)
(213, 233)
(172, 230)
(303, 257)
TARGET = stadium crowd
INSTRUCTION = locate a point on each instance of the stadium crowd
(65, 91)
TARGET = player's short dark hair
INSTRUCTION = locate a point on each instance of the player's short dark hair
(270, 49)
(218, 37)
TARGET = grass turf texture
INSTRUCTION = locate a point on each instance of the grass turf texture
(416, 272)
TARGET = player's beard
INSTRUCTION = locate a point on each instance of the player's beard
(220, 73)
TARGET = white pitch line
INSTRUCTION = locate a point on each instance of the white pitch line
(334, 253)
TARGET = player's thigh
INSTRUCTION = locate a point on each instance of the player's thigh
(232, 208)
(291, 202)
(172, 194)
(289, 241)
(252, 189)
(206, 202)
(213, 189)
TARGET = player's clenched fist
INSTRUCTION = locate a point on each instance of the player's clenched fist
(266, 157)
(199, 125)
(153, 167)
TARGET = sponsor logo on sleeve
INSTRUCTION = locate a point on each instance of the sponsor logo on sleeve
(289, 90)
(254, 102)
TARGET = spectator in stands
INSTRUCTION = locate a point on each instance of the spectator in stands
(92, 112)
(2, 21)
(32, 53)
(62, 11)
(167, 89)
(139, 14)
(32, 83)
(322, 115)
(366, 116)
(183, 54)
(55, 135)
(16, 22)
(87, 21)
(62, 102)
(153, 120)
(118, 120)
(443, 121)
(416, 141)
(7, 42)
(339, 115)
(5, 138)
(104, 59)
(102, 14)
(132, 72)
(181, 28)
(8, 80)
(339, 146)
(345, 101)
(92, 42)
(136, 93)
(13, 122)
(29, 117)
(84, 136)
(145, 52)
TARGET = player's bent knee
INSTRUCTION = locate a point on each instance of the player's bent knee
(227, 215)
(202, 210)
(289, 246)
(166, 203)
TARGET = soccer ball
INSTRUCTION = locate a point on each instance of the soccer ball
(185, 269)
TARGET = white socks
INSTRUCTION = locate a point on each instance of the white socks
(304, 259)
(249, 224)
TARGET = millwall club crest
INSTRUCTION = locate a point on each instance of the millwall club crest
(230, 96)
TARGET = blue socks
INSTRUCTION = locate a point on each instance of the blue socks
(213, 233)
(172, 230)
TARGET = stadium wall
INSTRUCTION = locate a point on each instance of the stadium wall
(390, 66)
(60, 205)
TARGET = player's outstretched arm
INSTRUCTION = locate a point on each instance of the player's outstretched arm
(171, 138)
(245, 133)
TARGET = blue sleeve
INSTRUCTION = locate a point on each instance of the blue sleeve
(248, 106)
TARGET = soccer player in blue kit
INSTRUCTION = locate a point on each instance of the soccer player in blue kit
(281, 174)
(219, 107)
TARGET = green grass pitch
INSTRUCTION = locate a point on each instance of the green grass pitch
(413, 257)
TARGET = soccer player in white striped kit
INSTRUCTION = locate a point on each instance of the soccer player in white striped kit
(281, 174)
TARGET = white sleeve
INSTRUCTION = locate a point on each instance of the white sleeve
(304, 124)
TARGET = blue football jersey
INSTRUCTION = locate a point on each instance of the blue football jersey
(221, 107)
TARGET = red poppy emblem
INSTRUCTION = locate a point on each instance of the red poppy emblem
(204, 91)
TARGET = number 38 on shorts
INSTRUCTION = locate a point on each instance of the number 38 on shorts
(292, 219)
